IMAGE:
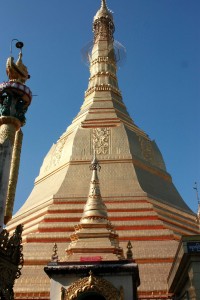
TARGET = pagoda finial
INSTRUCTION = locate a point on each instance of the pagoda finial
(54, 256)
(103, 25)
(94, 163)
(103, 11)
(129, 253)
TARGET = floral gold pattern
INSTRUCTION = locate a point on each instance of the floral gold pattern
(101, 140)
(56, 156)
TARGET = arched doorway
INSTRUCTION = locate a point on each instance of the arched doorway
(91, 288)
(91, 296)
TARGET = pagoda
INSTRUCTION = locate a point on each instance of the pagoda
(142, 201)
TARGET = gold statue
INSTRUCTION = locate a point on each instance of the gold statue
(17, 71)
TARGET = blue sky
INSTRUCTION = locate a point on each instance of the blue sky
(160, 80)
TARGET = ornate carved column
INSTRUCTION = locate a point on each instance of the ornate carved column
(8, 128)
(15, 97)
(14, 169)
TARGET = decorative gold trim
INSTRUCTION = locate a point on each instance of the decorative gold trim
(103, 88)
(91, 284)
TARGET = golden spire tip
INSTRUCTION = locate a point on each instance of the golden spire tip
(103, 3)
(94, 163)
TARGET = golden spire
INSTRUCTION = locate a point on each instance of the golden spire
(103, 95)
(103, 3)
(103, 26)
(103, 11)
(95, 209)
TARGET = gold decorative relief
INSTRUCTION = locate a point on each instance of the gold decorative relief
(101, 140)
(147, 150)
(57, 153)
(91, 284)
